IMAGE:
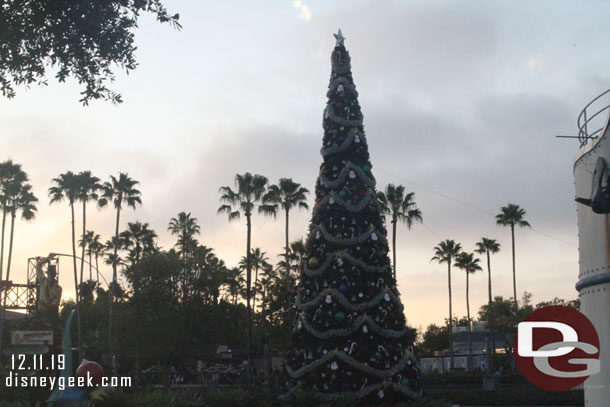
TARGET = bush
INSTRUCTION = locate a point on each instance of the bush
(112, 398)
(510, 397)
(15, 404)
(428, 402)
(239, 398)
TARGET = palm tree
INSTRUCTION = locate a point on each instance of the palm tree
(84, 242)
(469, 264)
(96, 248)
(24, 202)
(87, 288)
(186, 228)
(211, 273)
(112, 246)
(235, 284)
(67, 186)
(15, 195)
(138, 239)
(250, 191)
(258, 260)
(118, 191)
(400, 207)
(297, 254)
(287, 194)
(11, 179)
(488, 246)
(88, 188)
(91, 241)
(512, 215)
(445, 252)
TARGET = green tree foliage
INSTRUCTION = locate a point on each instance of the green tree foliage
(87, 191)
(287, 194)
(446, 252)
(249, 192)
(15, 197)
(11, 179)
(512, 215)
(86, 242)
(186, 227)
(87, 290)
(259, 261)
(399, 207)
(236, 285)
(501, 316)
(469, 264)
(95, 249)
(68, 187)
(118, 191)
(23, 201)
(560, 301)
(488, 247)
(85, 40)
(154, 308)
(138, 239)
(278, 311)
(435, 339)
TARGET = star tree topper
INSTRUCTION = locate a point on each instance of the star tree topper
(339, 37)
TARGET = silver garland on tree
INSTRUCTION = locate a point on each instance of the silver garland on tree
(350, 335)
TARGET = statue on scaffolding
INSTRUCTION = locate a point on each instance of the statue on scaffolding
(49, 294)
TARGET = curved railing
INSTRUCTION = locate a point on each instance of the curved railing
(589, 113)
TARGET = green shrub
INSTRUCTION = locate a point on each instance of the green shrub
(105, 397)
(15, 403)
(113, 398)
(516, 396)
(239, 398)
(428, 402)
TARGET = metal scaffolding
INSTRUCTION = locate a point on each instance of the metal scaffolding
(25, 296)
(18, 296)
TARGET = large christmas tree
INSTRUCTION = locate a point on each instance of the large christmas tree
(350, 332)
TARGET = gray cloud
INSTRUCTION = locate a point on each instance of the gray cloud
(449, 105)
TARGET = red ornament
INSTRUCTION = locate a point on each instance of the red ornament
(93, 370)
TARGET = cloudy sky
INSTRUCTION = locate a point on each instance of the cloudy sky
(461, 101)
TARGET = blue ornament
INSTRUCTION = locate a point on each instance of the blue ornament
(343, 288)
(72, 394)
